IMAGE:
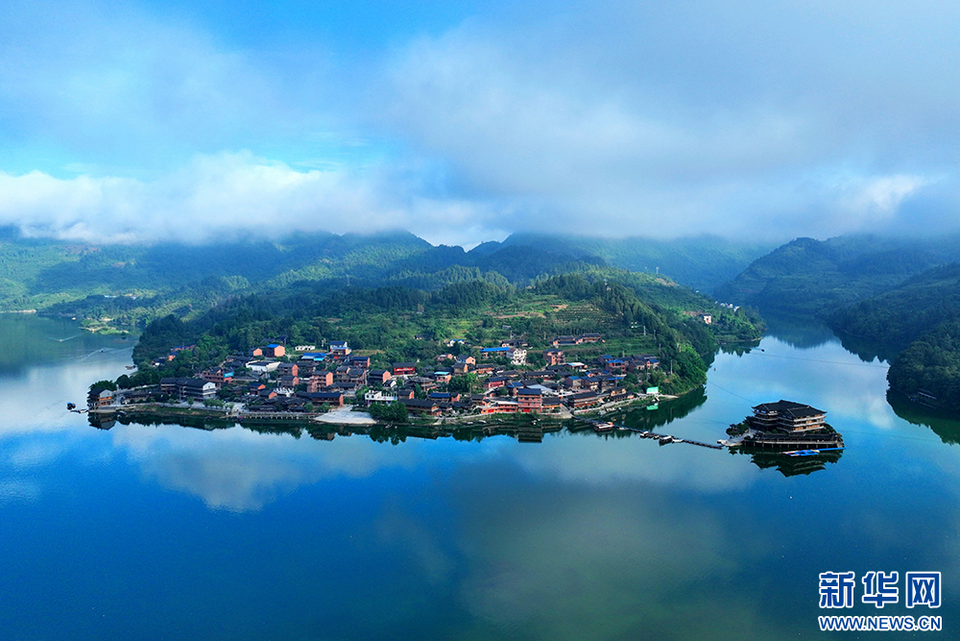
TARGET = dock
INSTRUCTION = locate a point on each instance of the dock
(607, 426)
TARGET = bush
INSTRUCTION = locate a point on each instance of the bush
(392, 412)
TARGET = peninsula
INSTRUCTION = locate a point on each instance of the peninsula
(568, 344)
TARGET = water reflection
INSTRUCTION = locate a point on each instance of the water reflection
(802, 333)
(242, 470)
(242, 473)
(35, 399)
(27, 341)
(577, 535)
(943, 423)
(792, 465)
(667, 412)
(826, 376)
(869, 350)
(614, 561)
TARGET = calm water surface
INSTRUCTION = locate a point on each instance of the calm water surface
(166, 532)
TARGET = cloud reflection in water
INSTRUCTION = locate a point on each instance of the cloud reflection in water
(236, 469)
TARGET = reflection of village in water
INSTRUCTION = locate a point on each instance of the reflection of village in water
(627, 422)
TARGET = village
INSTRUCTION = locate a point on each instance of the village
(466, 386)
(300, 381)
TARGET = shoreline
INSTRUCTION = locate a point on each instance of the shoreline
(347, 416)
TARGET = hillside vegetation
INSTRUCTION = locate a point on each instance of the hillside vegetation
(401, 324)
(703, 263)
(814, 278)
(129, 284)
(894, 298)
(919, 321)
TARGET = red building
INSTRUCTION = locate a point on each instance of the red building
(404, 369)
(530, 400)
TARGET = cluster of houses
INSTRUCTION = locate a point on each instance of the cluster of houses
(269, 379)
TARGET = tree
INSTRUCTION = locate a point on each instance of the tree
(99, 386)
(463, 384)
(392, 412)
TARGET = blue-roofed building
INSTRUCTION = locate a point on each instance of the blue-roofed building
(495, 350)
(339, 349)
(275, 350)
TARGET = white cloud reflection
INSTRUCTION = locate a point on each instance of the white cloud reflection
(36, 398)
(828, 376)
(240, 470)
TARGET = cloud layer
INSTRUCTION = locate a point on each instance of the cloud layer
(776, 119)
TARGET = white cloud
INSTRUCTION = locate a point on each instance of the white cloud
(639, 118)
(687, 119)
(881, 196)
(125, 88)
(218, 196)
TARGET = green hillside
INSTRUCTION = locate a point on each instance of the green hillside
(898, 299)
(814, 278)
(703, 262)
(898, 316)
(399, 324)
(35, 274)
(122, 285)
(919, 322)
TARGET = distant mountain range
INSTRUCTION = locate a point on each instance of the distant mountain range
(43, 273)
(701, 262)
(814, 277)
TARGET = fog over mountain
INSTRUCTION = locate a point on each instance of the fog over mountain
(464, 122)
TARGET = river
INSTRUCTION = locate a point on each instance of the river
(167, 532)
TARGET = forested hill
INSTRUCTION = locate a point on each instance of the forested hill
(919, 321)
(642, 314)
(134, 283)
(703, 262)
(896, 298)
(814, 278)
(139, 282)
(898, 316)
(35, 273)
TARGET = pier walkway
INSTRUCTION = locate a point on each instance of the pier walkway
(605, 426)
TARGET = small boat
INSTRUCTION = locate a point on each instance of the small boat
(666, 440)
(812, 452)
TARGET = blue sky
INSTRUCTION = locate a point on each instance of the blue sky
(463, 122)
